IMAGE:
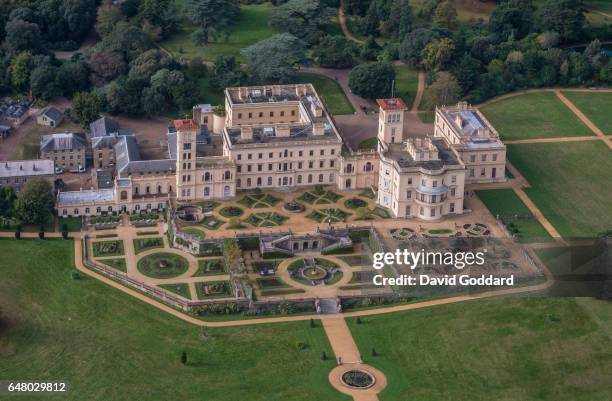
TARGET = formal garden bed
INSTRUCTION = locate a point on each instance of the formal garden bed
(314, 271)
(211, 222)
(254, 201)
(108, 248)
(440, 232)
(196, 232)
(327, 214)
(359, 379)
(144, 217)
(265, 266)
(104, 221)
(266, 219)
(231, 211)
(208, 205)
(144, 244)
(115, 263)
(210, 267)
(355, 203)
(402, 234)
(476, 229)
(368, 193)
(265, 283)
(319, 197)
(163, 265)
(214, 289)
(293, 207)
(357, 260)
(362, 277)
(181, 289)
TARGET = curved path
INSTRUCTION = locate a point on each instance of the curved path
(342, 21)
(419, 93)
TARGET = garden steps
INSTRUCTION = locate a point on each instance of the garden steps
(328, 306)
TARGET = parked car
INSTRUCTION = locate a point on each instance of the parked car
(59, 170)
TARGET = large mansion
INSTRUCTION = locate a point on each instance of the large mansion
(281, 137)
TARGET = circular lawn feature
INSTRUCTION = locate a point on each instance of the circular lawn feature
(357, 379)
(163, 265)
(355, 203)
(231, 211)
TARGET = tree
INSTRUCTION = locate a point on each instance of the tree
(143, 67)
(126, 40)
(232, 254)
(411, 48)
(512, 17)
(356, 7)
(72, 77)
(437, 54)
(64, 231)
(226, 72)
(445, 90)
(18, 232)
(398, 24)
(65, 20)
(273, 59)
(372, 80)
(335, 52)
(108, 16)
(162, 14)
(563, 16)
(212, 17)
(43, 82)
(22, 35)
(20, 70)
(35, 202)
(85, 108)
(105, 65)
(371, 49)
(445, 15)
(7, 201)
(184, 358)
(300, 17)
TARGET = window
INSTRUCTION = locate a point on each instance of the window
(472, 158)
(494, 157)
(239, 157)
(270, 155)
(250, 115)
(249, 156)
(453, 179)
(76, 212)
(207, 176)
(483, 172)
(300, 153)
(321, 163)
(409, 180)
(311, 153)
(471, 172)
(432, 212)
(206, 191)
(407, 210)
(293, 112)
(310, 164)
(451, 208)
(260, 156)
(322, 153)
(331, 163)
(260, 114)
(282, 113)
(331, 177)
(452, 191)
(269, 180)
(320, 177)
(239, 116)
(435, 184)
(483, 158)
(421, 211)
(249, 168)
(65, 212)
(227, 175)
(408, 194)
(299, 179)
(269, 166)
(248, 182)
(333, 151)
(239, 168)
(309, 178)
(299, 165)
(271, 114)
(260, 167)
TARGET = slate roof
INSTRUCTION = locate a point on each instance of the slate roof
(24, 168)
(130, 162)
(62, 141)
(53, 114)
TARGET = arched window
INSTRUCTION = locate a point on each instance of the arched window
(124, 195)
(349, 168)
(320, 177)
(309, 178)
(159, 189)
(136, 190)
(368, 166)
(285, 181)
(228, 175)
(207, 176)
(206, 191)
(226, 191)
(348, 183)
(299, 179)
(148, 189)
(169, 188)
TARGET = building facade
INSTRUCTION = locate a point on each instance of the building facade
(16, 173)
(281, 137)
(66, 149)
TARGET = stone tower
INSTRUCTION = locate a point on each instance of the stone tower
(186, 131)
(391, 120)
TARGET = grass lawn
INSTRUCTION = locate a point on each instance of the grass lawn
(115, 263)
(406, 82)
(505, 202)
(534, 115)
(194, 231)
(499, 349)
(368, 144)
(181, 289)
(144, 244)
(30, 145)
(330, 92)
(427, 117)
(571, 185)
(596, 106)
(163, 265)
(251, 27)
(111, 347)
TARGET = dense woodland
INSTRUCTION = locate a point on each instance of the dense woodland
(126, 72)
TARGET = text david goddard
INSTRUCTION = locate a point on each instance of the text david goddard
(446, 280)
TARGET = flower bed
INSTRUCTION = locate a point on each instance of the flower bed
(108, 248)
(355, 203)
(214, 289)
(231, 211)
(162, 265)
(209, 267)
(324, 215)
(181, 289)
(293, 207)
(144, 244)
(266, 219)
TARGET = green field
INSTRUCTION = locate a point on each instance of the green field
(330, 91)
(511, 349)
(534, 115)
(596, 106)
(251, 27)
(406, 83)
(109, 346)
(30, 145)
(571, 185)
(505, 202)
